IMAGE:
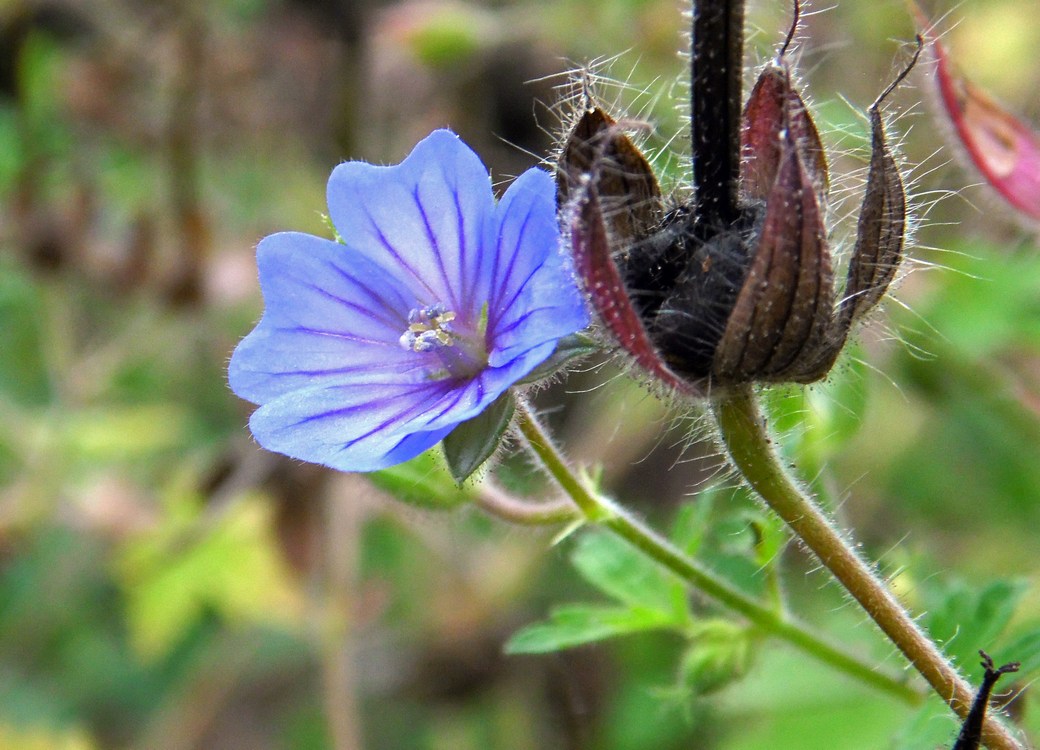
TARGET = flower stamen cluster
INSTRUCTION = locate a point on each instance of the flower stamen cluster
(428, 328)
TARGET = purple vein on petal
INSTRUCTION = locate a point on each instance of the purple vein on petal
(460, 219)
(507, 275)
(394, 367)
(334, 334)
(396, 256)
(373, 315)
(346, 411)
(405, 416)
(453, 302)
(395, 317)
(522, 319)
(516, 295)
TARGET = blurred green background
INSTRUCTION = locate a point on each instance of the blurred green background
(165, 584)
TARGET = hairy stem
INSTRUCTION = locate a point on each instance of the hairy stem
(601, 511)
(743, 431)
(491, 499)
(716, 67)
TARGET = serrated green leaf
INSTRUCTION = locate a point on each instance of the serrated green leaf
(577, 624)
(568, 349)
(472, 443)
(423, 481)
(624, 574)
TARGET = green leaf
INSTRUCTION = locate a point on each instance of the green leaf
(626, 575)
(1024, 648)
(577, 624)
(23, 371)
(173, 573)
(965, 620)
(693, 521)
(769, 537)
(124, 433)
(840, 404)
(569, 348)
(933, 725)
(472, 443)
(447, 36)
(423, 481)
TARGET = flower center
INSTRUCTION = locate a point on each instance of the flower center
(428, 328)
(432, 329)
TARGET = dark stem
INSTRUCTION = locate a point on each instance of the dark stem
(970, 736)
(715, 78)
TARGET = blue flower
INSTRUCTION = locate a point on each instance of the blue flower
(437, 300)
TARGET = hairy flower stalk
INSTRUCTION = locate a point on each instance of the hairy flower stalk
(742, 428)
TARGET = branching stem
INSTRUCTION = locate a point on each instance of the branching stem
(601, 511)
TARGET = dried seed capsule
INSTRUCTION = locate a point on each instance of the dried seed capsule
(726, 298)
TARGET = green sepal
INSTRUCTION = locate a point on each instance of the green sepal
(423, 481)
(568, 348)
(471, 443)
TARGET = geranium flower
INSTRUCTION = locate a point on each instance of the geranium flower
(437, 300)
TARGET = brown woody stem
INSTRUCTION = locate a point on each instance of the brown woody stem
(743, 431)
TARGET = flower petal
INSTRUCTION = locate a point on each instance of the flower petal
(363, 426)
(326, 364)
(533, 295)
(330, 316)
(425, 217)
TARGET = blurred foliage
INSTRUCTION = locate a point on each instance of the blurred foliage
(164, 584)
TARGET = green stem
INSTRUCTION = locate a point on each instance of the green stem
(743, 432)
(599, 510)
